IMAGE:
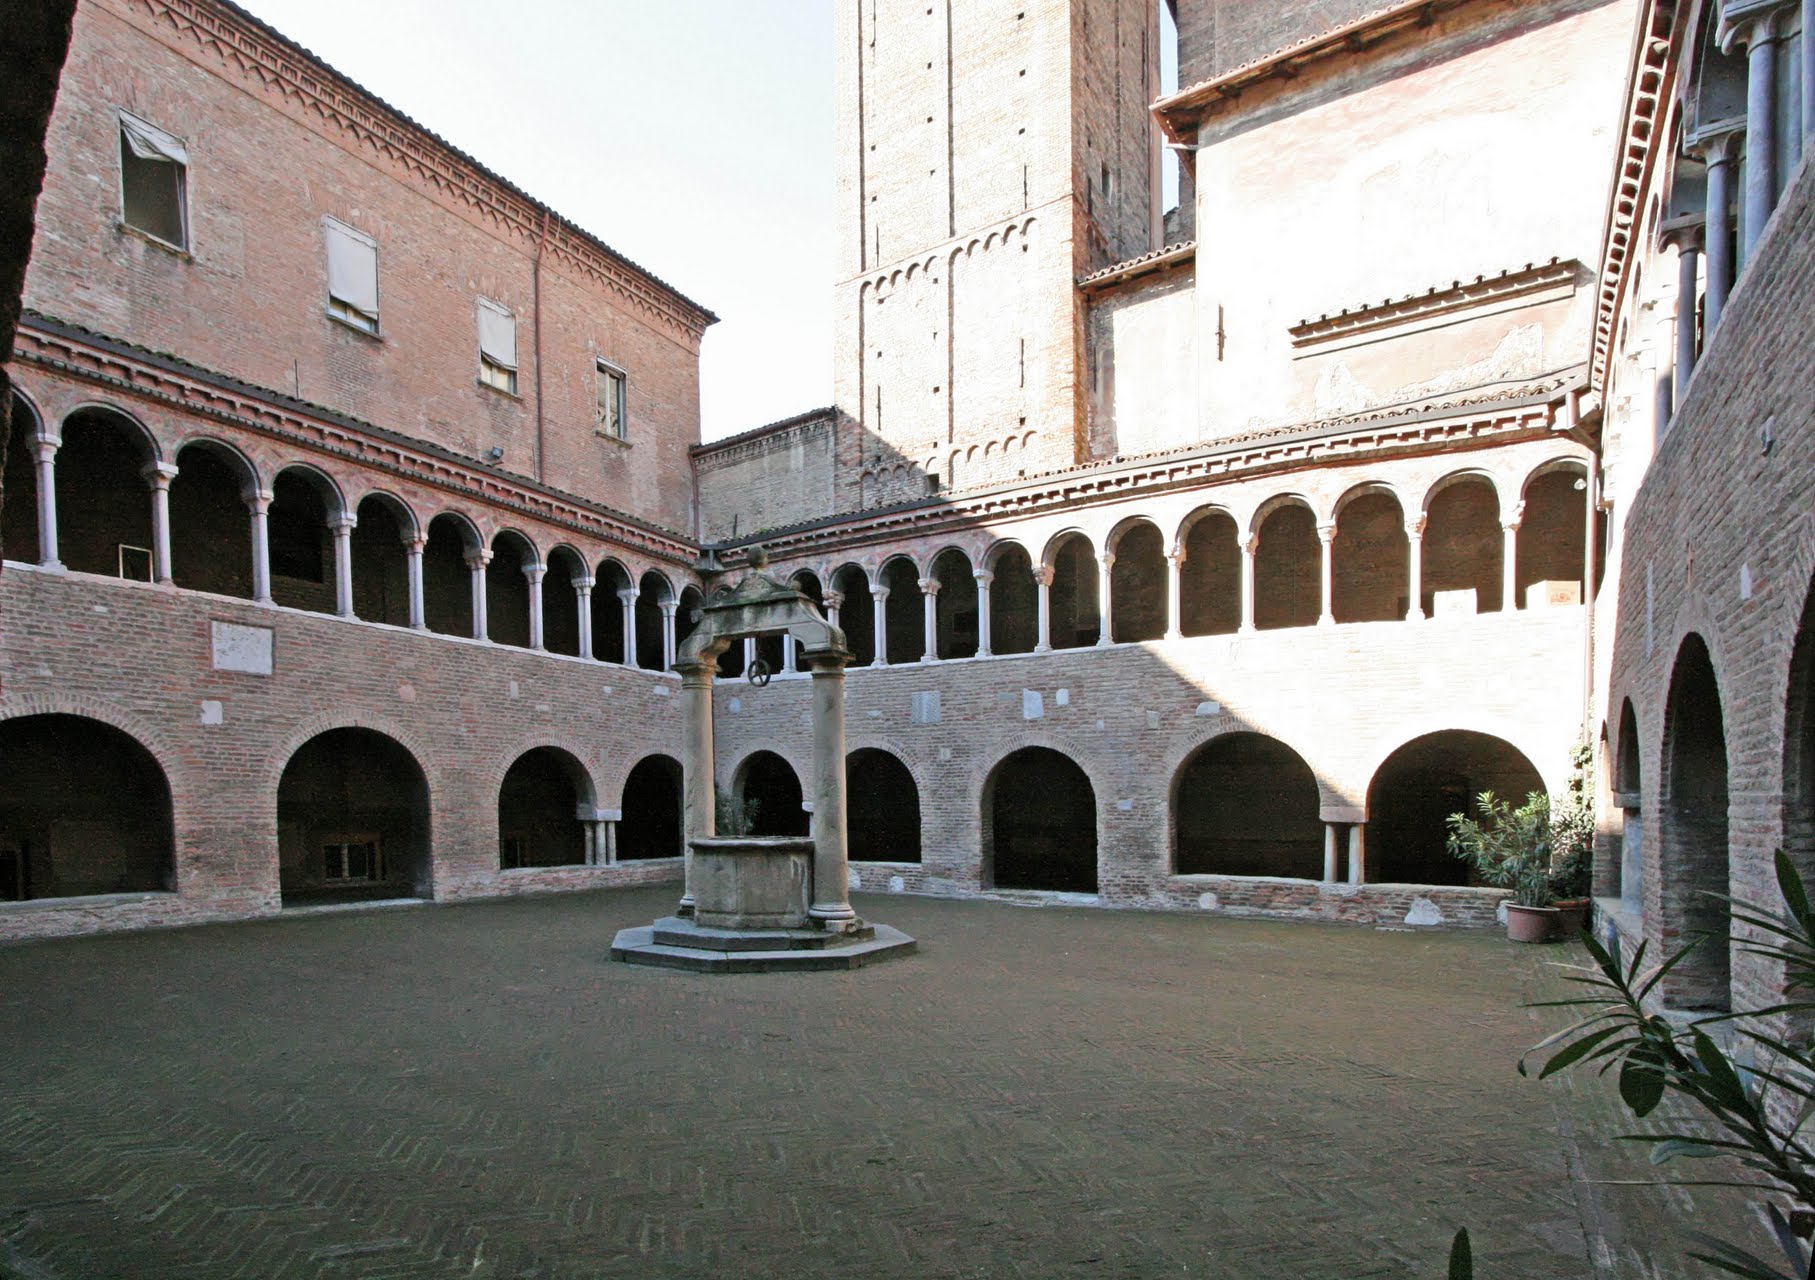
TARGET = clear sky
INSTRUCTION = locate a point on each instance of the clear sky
(692, 136)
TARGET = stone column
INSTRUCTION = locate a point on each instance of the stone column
(1331, 865)
(258, 502)
(533, 574)
(582, 593)
(1175, 594)
(984, 578)
(1509, 560)
(1414, 568)
(790, 649)
(699, 810)
(47, 447)
(1721, 152)
(1105, 599)
(159, 475)
(1688, 272)
(1326, 534)
(342, 529)
(627, 596)
(1249, 546)
(929, 612)
(879, 624)
(1760, 33)
(749, 643)
(414, 544)
(1043, 594)
(831, 874)
(669, 608)
(1358, 855)
(476, 560)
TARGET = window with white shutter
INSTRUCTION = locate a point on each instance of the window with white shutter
(497, 346)
(610, 418)
(352, 276)
(154, 170)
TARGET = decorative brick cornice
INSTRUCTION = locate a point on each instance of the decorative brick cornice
(332, 104)
(747, 444)
(133, 373)
(1459, 295)
(1501, 418)
(1651, 75)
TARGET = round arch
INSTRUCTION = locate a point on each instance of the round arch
(1137, 580)
(1693, 831)
(103, 496)
(767, 791)
(1039, 823)
(210, 525)
(649, 823)
(1288, 563)
(539, 804)
(85, 809)
(507, 588)
(352, 819)
(1245, 804)
(1416, 789)
(883, 807)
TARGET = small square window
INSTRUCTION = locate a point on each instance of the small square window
(497, 347)
(154, 169)
(610, 418)
(352, 276)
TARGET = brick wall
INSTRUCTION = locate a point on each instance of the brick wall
(249, 297)
(780, 475)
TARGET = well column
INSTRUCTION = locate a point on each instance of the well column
(831, 872)
(698, 808)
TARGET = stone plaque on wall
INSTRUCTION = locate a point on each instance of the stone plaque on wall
(241, 648)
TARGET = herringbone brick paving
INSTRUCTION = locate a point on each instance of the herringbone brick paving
(474, 1091)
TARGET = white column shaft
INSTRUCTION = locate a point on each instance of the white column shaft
(343, 565)
(1358, 855)
(984, 579)
(412, 563)
(47, 502)
(260, 506)
(582, 592)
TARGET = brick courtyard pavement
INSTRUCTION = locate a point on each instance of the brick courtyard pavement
(473, 1091)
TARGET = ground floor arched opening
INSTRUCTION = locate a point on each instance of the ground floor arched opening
(1693, 834)
(352, 820)
(1247, 805)
(650, 825)
(882, 810)
(768, 793)
(1420, 785)
(84, 809)
(1040, 824)
(538, 811)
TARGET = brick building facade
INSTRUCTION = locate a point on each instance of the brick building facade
(1205, 573)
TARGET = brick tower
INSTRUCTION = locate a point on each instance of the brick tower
(990, 152)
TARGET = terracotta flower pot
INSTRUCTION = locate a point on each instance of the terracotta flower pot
(1572, 917)
(1532, 924)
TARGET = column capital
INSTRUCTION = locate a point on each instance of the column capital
(1176, 556)
(930, 586)
(1685, 234)
(1326, 533)
(1043, 574)
(830, 600)
(342, 525)
(1107, 560)
(668, 607)
(158, 474)
(535, 572)
(1512, 522)
(45, 446)
(258, 501)
(879, 594)
(627, 594)
(478, 558)
(1415, 527)
(696, 673)
(1250, 544)
(583, 584)
(415, 543)
(1718, 143)
(983, 576)
(1745, 23)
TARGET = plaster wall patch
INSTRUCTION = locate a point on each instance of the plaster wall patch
(212, 712)
(242, 648)
(1033, 706)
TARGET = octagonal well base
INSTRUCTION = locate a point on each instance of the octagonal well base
(674, 943)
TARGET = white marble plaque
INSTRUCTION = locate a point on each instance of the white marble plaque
(239, 648)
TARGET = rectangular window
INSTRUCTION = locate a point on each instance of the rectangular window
(153, 182)
(353, 859)
(352, 276)
(609, 420)
(497, 347)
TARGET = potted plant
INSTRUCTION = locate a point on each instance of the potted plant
(1511, 849)
(1572, 847)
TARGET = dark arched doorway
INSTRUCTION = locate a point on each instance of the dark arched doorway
(1629, 796)
(103, 501)
(1420, 785)
(883, 808)
(1040, 824)
(768, 790)
(538, 811)
(651, 823)
(1137, 584)
(1288, 564)
(84, 809)
(1693, 829)
(1247, 805)
(352, 820)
